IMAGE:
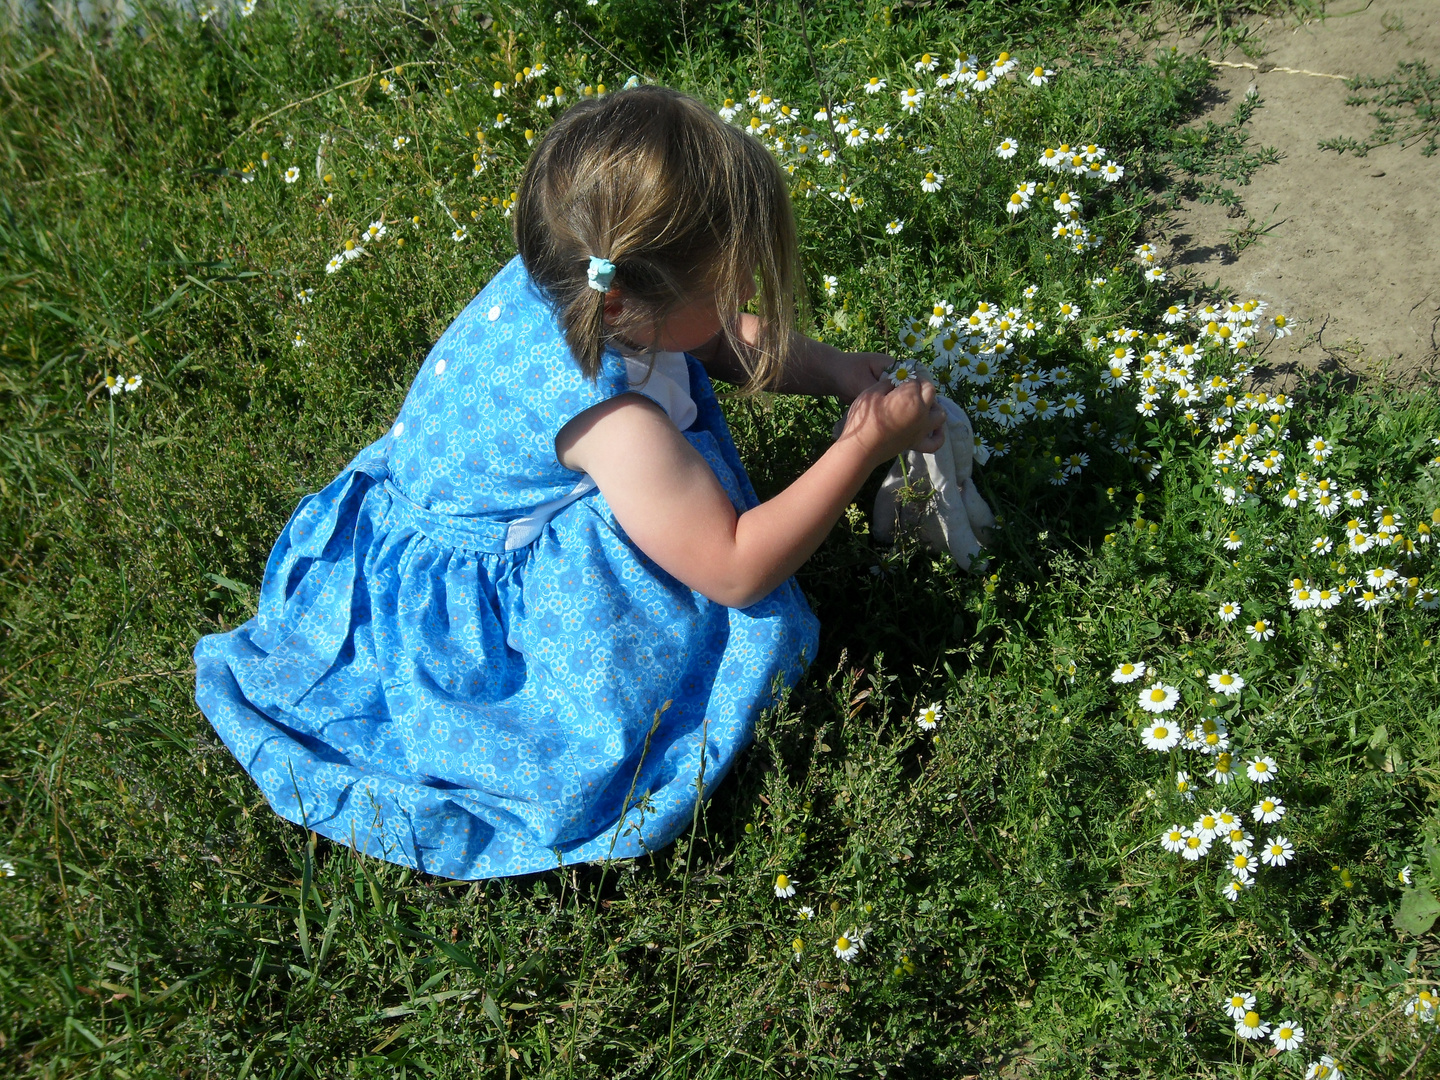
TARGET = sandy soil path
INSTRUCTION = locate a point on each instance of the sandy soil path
(1355, 252)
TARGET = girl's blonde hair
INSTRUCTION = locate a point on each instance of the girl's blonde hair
(679, 201)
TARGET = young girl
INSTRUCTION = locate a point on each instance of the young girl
(505, 637)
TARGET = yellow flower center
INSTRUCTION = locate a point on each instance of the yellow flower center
(782, 882)
(842, 943)
(1252, 1019)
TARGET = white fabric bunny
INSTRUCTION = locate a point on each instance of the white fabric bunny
(954, 517)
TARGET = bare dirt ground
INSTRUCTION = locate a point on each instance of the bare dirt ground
(1353, 256)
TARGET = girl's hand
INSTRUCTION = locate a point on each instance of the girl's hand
(857, 372)
(888, 420)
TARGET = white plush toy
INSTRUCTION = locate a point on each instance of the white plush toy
(953, 517)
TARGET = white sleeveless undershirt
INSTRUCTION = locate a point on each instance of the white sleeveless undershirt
(668, 383)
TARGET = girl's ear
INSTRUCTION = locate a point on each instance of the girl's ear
(614, 305)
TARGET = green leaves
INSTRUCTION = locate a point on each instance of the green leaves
(1419, 908)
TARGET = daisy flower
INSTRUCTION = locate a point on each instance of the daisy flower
(875, 84)
(784, 887)
(1183, 785)
(1380, 577)
(461, 233)
(1128, 672)
(292, 174)
(911, 100)
(1369, 599)
(114, 385)
(1159, 698)
(1160, 737)
(929, 717)
(893, 228)
(1173, 839)
(298, 340)
(902, 373)
(848, 945)
(1237, 1005)
(1112, 171)
(1277, 851)
(1282, 327)
(1226, 682)
(1040, 75)
(932, 181)
(399, 142)
(830, 283)
(805, 912)
(1069, 312)
(1196, 847)
(1287, 1035)
(1206, 825)
(1262, 769)
(1260, 630)
(1424, 1004)
(1239, 839)
(1250, 1026)
(1242, 866)
(1007, 149)
(1268, 810)
(1325, 1069)
(1233, 889)
(335, 263)
(1223, 771)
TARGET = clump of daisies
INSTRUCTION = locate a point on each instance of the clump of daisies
(1221, 830)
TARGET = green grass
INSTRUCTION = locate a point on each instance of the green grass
(1020, 917)
(1407, 113)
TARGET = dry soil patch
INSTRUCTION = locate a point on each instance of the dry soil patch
(1354, 252)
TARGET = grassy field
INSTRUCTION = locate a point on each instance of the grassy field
(1006, 873)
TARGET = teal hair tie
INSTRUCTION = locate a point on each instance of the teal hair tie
(601, 273)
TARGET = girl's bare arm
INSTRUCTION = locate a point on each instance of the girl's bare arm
(813, 368)
(672, 506)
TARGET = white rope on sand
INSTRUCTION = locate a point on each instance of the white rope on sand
(1288, 71)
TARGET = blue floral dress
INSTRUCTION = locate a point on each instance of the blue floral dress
(460, 662)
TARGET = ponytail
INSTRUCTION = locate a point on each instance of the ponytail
(668, 201)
